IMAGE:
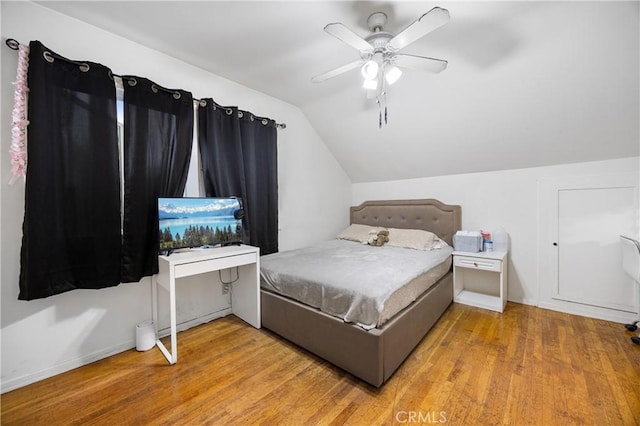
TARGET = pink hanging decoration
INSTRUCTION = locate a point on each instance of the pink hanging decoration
(19, 122)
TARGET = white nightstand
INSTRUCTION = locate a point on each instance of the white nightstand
(480, 279)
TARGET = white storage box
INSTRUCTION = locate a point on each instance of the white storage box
(145, 336)
(469, 241)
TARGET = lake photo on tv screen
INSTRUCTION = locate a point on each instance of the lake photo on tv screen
(195, 222)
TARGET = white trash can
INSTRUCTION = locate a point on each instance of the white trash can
(145, 336)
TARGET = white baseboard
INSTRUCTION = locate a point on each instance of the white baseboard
(581, 310)
(30, 378)
(589, 311)
(196, 321)
(523, 301)
(27, 379)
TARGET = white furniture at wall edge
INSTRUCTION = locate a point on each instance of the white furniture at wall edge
(245, 301)
(631, 266)
(480, 279)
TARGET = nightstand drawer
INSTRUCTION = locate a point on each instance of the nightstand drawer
(477, 263)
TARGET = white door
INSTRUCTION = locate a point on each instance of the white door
(581, 220)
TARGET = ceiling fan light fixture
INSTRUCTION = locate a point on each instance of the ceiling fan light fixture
(370, 70)
(370, 84)
(392, 74)
(379, 53)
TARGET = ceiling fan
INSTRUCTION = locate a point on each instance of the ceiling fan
(382, 48)
(379, 58)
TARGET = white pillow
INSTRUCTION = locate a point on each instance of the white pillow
(412, 238)
(439, 244)
(357, 232)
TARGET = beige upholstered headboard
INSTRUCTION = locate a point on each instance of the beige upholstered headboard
(431, 215)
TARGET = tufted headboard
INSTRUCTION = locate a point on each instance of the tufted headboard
(431, 215)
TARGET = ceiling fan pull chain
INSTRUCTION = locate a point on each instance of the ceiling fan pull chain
(385, 106)
(384, 102)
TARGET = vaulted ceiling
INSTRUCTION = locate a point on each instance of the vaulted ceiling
(528, 83)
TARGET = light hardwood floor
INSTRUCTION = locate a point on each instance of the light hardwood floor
(475, 367)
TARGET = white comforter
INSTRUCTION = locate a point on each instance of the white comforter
(346, 279)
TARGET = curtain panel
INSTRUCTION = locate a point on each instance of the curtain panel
(158, 135)
(71, 229)
(77, 232)
(239, 158)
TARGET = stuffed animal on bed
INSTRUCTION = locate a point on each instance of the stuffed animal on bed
(378, 238)
(383, 235)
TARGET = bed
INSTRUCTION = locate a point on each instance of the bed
(372, 354)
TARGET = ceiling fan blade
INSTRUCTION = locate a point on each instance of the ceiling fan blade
(337, 71)
(420, 63)
(433, 19)
(345, 35)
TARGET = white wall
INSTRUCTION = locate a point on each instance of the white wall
(507, 199)
(44, 337)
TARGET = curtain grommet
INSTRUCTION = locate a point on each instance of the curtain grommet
(154, 89)
(240, 114)
(229, 111)
(48, 56)
(84, 67)
(265, 121)
(110, 74)
(177, 95)
(252, 118)
(12, 44)
(203, 103)
(132, 82)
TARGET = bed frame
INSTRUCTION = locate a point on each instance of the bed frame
(372, 355)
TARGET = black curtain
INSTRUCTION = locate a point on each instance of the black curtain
(71, 228)
(239, 158)
(158, 136)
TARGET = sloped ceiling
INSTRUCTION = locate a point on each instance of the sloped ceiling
(528, 83)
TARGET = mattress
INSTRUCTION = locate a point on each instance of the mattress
(358, 283)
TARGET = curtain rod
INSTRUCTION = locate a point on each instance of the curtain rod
(14, 45)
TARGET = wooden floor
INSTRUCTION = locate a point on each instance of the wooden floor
(475, 367)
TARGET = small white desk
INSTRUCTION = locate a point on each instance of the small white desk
(245, 302)
(480, 279)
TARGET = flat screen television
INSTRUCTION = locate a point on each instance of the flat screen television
(198, 222)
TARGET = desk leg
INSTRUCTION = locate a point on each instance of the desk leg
(246, 295)
(174, 331)
(172, 356)
(154, 305)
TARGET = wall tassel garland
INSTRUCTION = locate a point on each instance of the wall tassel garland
(19, 120)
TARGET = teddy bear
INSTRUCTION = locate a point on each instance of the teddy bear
(378, 238)
(383, 236)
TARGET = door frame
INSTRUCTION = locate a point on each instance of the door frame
(548, 189)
